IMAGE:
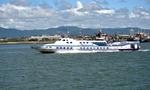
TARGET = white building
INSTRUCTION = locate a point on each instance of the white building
(45, 36)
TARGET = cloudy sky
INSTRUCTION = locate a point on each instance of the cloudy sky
(42, 14)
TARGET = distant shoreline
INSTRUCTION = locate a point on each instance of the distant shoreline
(26, 42)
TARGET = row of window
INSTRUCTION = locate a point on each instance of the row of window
(48, 47)
(64, 40)
(63, 47)
(82, 48)
(100, 43)
(80, 42)
(93, 48)
(84, 42)
(69, 42)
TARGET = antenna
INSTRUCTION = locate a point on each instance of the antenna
(100, 28)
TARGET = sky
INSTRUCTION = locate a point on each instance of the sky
(43, 14)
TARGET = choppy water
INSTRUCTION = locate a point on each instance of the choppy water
(22, 68)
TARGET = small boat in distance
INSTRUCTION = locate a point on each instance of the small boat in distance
(69, 45)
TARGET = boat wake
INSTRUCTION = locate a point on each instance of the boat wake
(144, 50)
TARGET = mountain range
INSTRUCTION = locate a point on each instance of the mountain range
(71, 30)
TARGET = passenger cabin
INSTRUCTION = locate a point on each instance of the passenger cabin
(69, 41)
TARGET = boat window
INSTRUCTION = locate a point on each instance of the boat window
(67, 42)
(46, 46)
(60, 47)
(100, 43)
(64, 48)
(87, 42)
(63, 40)
(71, 42)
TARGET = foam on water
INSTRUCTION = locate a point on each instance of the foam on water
(144, 50)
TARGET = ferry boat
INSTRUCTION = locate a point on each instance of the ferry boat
(69, 45)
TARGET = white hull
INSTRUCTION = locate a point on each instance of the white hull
(84, 51)
(79, 51)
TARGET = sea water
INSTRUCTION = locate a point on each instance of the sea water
(23, 68)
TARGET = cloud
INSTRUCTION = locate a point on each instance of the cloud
(92, 6)
(105, 11)
(62, 4)
(89, 9)
(122, 13)
(20, 2)
(78, 10)
(140, 12)
(24, 16)
(79, 5)
(101, 2)
(90, 15)
(147, 1)
(10, 10)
